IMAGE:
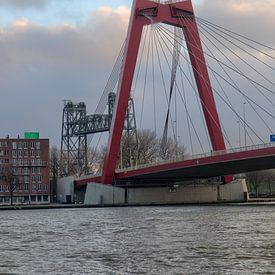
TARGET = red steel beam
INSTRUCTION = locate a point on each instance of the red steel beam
(226, 157)
(199, 162)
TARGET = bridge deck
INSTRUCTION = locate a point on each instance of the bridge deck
(214, 165)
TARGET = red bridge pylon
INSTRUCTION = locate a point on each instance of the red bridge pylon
(179, 14)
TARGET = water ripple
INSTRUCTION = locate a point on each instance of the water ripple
(144, 240)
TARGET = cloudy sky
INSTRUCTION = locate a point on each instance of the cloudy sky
(52, 50)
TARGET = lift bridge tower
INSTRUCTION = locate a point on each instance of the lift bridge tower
(77, 125)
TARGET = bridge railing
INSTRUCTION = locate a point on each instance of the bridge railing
(199, 156)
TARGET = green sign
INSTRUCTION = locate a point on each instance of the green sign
(31, 135)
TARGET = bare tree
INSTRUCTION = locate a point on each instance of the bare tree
(145, 151)
(11, 180)
(94, 159)
(128, 151)
(170, 149)
(254, 181)
(55, 170)
(269, 178)
(258, 179)
(101, 154)
(148, 149)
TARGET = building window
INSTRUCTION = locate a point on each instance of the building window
(6, 152)
(46, 187)
(25, 145)
(37, 145)
(38, 154)
(14, 153)
(45, 198)
(33, 170)
(19, 145)
(33, 178)
(38, 170)
(26, 179)
(4, 144)
(26, 170)
(32, 153)
(39, 187)
(19, 154)
(14, 145)
(39, 178)
(33, 187)
(1, 188)
(32, 145)
(1, 153)
(25, 154)
(26, 187)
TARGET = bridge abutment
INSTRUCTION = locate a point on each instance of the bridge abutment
(104, 195)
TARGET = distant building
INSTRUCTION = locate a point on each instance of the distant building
(27, 159)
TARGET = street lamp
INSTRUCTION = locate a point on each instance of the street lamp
(244, 125)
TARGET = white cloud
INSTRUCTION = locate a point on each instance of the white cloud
(23, 4)
(42, 65)
(253, 18)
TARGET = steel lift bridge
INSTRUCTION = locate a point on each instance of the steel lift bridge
(77, 126)
(230, 76)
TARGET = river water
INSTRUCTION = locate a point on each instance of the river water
(139, 240)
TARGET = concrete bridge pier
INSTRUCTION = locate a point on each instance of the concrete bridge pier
(105, 195)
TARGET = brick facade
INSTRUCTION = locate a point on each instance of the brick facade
(28, 159)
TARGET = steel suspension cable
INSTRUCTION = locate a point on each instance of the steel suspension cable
(187, 117)
(209, 84)
(197, 46)
(195, 131)
(110, 86)
(162, 75)
(140, 61)
(268, 127)
(154, 88)
(239, 35)
(175, 62)
(241, 72)
(242, 59)
(236, 85)
(112, 81)
(197, 98)
(247, 98)
(224, 100)
(145, 80)
(229, 67)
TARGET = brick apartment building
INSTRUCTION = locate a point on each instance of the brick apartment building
(27, 160)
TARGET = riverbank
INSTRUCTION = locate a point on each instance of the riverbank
(251, 202)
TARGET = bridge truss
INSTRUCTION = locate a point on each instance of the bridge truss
(77, 125)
